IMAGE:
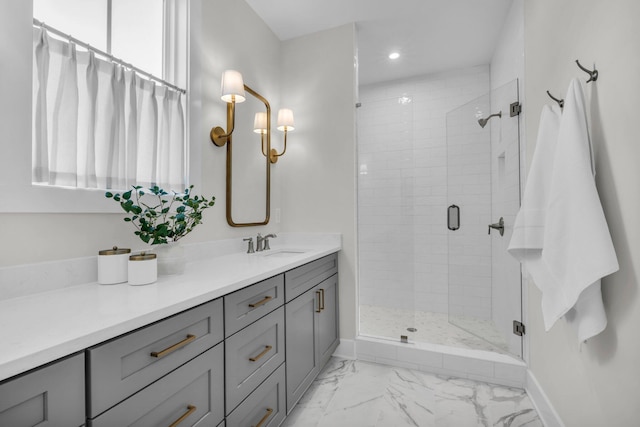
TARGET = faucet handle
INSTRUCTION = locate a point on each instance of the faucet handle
(250, 249)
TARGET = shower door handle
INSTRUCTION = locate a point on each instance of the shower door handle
(498, 226)
(453, 217)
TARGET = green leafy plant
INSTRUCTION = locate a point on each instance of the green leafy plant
(161, 217)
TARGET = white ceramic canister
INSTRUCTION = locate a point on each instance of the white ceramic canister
(143, 269)
(112, 265)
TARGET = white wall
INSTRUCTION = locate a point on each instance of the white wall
(232, 36)
(403, 197)
(318, 170)
(597, 385)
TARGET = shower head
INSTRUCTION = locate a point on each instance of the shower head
(483, 122)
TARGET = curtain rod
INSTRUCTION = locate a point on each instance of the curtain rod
(112, 58)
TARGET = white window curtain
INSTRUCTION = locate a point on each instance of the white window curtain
(99, 125)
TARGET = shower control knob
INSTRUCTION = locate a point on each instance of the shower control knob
(498, 226)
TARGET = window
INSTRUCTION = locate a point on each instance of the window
(99, 124)
(113, 26)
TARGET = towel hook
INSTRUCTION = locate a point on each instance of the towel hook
(559, 101)
(593, 75)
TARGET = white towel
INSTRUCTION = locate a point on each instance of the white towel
(578, 250)
(528, 230)
(561, 234)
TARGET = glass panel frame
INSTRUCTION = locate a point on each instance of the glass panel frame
(483, 178)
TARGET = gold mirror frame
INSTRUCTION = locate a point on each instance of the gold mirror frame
(229, 144)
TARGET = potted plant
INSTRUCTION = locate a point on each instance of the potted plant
(162, 219)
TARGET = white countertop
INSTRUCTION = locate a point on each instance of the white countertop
(42, 327)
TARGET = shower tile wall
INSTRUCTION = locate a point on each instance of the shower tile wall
(469, 187)
(402, 187)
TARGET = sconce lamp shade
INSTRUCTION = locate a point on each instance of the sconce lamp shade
(232, 87)
(285, 120)
(260, 123)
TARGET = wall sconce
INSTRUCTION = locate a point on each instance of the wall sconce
(285, 124)
(232, 93)
(260, 125)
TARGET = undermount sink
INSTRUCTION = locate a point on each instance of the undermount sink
(281, 253)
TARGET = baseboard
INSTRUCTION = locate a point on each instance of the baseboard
(546, 412)
(346, 349)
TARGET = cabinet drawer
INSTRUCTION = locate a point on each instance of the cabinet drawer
(305, 277)
(121, 367)
(265, 407)
(263, 342)
(48, 397)
(193, 392)
(247, 305)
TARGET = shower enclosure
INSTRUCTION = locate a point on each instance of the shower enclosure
(437, 178)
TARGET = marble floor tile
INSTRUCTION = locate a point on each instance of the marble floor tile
(434, 328)
(361, 394)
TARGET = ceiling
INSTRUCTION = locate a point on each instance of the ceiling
(430, 35)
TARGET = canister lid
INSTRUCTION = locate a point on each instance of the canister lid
(143, 256)
(115, 251)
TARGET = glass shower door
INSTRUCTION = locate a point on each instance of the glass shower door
(386, 241)
(483, 190)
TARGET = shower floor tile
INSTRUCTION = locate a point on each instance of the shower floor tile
(361, 394)
(434, 328)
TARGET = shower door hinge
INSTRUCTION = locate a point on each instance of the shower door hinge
(518, 328)
(515, 109)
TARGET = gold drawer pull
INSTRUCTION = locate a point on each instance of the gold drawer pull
(174, 347)
(190, 410)
(267, 415)
(262, 301)
(319, 309)
(322, 299)
(266, 350)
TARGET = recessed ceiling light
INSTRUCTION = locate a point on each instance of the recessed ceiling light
(394, 55)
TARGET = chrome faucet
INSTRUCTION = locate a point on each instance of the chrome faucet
(266, 241)
(262, 243)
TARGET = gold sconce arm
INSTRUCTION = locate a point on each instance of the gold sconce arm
(218, 135)
(273, 156)
(285, 124)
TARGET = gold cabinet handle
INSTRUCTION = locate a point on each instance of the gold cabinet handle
(262, 301)
(266, 350)
(319, 309)
(174, 347)
(190, 410)
(266, 416)
(322, 299)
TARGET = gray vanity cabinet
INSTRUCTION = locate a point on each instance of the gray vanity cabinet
(191, 395)
(265, 407)
(312, 327)
(51, 396)
(252, 355)
(327, 319)
(121, 367)
(248, 356)
(243, 307)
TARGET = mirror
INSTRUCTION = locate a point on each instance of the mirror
(248, 172)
